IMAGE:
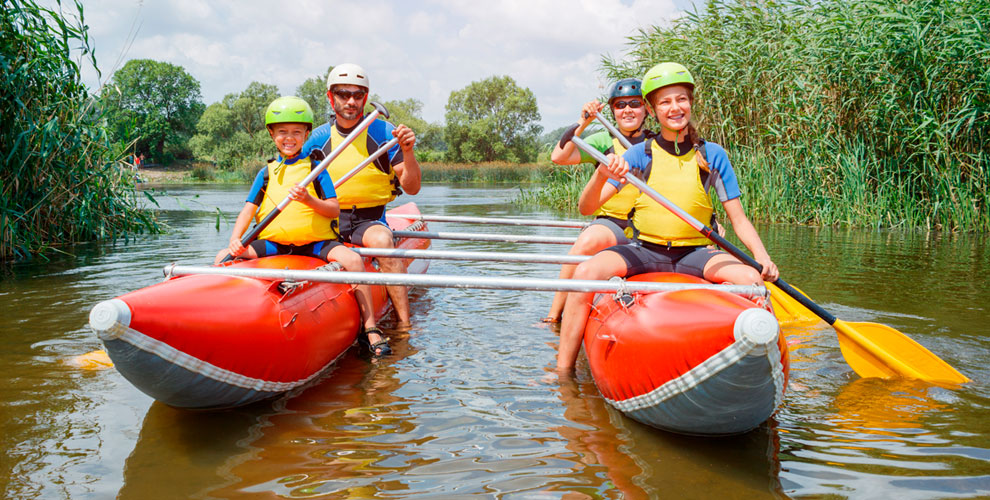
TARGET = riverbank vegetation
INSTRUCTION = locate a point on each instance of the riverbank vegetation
(61, 178)
(862, 112)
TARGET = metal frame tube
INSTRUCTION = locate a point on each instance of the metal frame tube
(494, 220)
(506, 238)
(534, 258)
(465, 282)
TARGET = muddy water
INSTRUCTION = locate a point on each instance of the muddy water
(463, 408)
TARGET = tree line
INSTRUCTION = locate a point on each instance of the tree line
(156, 108)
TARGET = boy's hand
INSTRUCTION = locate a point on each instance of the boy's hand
(407, 138)
(234, 249)
(300, 194)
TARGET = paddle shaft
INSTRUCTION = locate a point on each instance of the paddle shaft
(367, 161)
(707, 232)
(252, 235)
(614, 131)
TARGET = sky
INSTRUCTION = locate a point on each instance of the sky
(410, 49)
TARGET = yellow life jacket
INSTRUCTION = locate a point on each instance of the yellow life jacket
(678, 178)
(297, 224)
(375, 185)
(619, 205)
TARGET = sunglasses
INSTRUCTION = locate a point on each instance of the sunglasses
(634, 103)
(347, 94)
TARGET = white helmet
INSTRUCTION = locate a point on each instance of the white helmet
(348, 74)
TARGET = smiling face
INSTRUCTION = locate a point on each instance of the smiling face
(289, 137)
(627, 117)
(671, 105)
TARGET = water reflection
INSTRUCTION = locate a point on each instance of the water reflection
(460, 411)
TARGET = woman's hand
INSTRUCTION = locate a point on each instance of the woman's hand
(770, 271)
(588, 111)
(617, 168)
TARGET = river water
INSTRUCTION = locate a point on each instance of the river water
(465, 408)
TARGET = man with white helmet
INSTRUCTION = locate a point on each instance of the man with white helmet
(363, 197)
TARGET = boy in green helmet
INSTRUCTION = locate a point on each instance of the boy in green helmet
(308, 225)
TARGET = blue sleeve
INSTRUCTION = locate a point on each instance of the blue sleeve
(723, 176)
(257, 193)
(316, 139)
(380, 131)
(326, 185)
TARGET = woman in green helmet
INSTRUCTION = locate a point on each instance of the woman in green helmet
(672, 164)
(308, 225)
(611, 224)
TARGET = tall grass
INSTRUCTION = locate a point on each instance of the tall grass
(861, 112)
(60, 179)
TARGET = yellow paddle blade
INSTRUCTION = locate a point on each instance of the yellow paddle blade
(788, 310)
(875, 350)
(96, 360)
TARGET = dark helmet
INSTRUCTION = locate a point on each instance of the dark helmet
(625, 87)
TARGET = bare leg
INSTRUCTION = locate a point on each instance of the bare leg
(603, 266)
(724, 268)
(381, 237)
(591, 241)
(362, 293)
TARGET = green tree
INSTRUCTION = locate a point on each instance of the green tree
(156, 104)
(314, 91)
(60, 178)
(493, 119)
(232, 132)
(409, 112)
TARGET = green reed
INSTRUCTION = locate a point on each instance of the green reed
(60, 179)
(861, 112)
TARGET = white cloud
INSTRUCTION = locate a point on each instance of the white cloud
(422, 50)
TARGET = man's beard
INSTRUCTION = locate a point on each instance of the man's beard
(348, 114)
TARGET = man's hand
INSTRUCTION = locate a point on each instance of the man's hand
(407, 138)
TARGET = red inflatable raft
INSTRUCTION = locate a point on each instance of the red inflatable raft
(209, 341)
(698, 362)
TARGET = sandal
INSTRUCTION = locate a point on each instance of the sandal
(551, 320)
(378, 349)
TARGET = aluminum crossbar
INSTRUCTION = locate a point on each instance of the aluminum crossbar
(466, 282)
(506, 238)
(494, 220)
(535, 258)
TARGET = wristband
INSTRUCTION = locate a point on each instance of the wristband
(568, 135)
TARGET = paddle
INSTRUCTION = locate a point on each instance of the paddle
(871, 349)
(368, 120)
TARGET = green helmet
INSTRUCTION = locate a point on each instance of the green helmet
(664, 74)
(625, 87)
(289, 109)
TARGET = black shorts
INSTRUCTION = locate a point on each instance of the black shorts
(318, 249)
(356, 221)
(649, 257)
(616, 226)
